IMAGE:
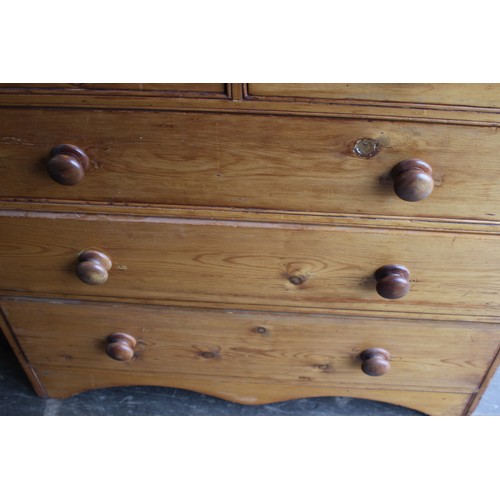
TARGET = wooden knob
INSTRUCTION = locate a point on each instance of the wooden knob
(67, 164)
(375, 361)
(120, 346)
(412, 180)
(392, 281)
(93, 267)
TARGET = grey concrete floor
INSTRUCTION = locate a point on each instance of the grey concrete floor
(18, 398)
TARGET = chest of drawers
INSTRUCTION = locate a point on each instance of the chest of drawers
(256, 242)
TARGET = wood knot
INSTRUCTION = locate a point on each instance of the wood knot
(297, 279)
(209, 353)
(366, 148)
(327, 367)
(261, 330)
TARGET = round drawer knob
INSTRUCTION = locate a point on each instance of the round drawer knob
(67, 164)
(412, 180)
(392, 281)
(93, 267)
(375, 361)
(120, 346)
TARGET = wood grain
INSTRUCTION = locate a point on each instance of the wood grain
(250, 264)
(312, 351)
(219, 103)
(250, 162)
(255, 393)
(255, 215)
(6, 330)
(148, 87)
(259, 205)
(468, 94)
(208, 102)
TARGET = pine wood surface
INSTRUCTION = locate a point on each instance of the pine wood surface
(253, 392)
(471, 94)
(276, 163)
(246, 203)
(250, 264)
(254, 215)
(148, 87)
(252, 347)
(237, 100)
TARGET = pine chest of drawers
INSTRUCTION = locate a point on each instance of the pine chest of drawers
(256, 242)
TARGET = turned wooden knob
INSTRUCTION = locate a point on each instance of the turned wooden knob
(392, 281)
(93, 267)
(120, 346)
(67, 164)
(375, 361)
(412, 180)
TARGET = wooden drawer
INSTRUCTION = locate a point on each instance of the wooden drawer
(250, 264)
(470, 94)
(250, 162)
(204, 346)
(218, 88)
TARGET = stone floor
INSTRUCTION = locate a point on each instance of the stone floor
(18, 398)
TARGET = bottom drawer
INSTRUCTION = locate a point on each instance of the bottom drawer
(248, 357)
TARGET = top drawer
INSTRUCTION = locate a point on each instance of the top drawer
(250, 162)
(218, 88)
(470, 94)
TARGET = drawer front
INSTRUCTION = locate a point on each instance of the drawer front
(273, 348)
(251, 264)
(257, 162)
(470, 94)
(218, 88)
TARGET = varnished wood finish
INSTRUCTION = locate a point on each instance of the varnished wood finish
(312, 351)
(120, 346)
(31, 374)
(257, 162)
(241, 102)
(476, 398)
(255, 215)
(67, 164)
(375, 361)
(93, 267)
(250, 392)
(82, 88)
(250, 264)
(472, 94)
(412, 180)
(274, 215)
(392, 281)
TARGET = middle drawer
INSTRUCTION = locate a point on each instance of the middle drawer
(249, 264)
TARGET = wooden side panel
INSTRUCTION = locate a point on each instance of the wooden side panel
(312, 351)
(249, 162)
(470, 94)
(6, 329)
(250, 264)
(484, 384)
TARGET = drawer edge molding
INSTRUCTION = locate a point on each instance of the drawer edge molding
(220, 103)
(19, 207)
